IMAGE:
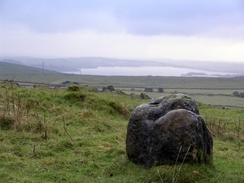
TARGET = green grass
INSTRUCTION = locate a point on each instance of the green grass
(73, 135)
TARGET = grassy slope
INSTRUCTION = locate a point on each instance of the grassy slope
(25, 73)
(55, 135)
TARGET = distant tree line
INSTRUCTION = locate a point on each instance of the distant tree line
(69, 82)
(237, 94)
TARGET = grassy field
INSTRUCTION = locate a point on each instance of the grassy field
(78, 135)
(217, 97)
(213, 91)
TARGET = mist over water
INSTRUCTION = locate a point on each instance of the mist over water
(146, 71)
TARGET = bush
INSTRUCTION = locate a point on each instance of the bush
(73, 88)
(236, 93)
(66, 82)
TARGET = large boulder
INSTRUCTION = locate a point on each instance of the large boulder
(166, 131)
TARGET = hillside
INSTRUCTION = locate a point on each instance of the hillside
(25, 73)
(73, 64)
(78, 135)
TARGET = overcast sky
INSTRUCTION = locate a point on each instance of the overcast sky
(201, 30)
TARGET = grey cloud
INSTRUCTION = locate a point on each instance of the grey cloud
(182, 17)
(152, 17)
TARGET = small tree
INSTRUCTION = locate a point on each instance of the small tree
(241, 94)
(160, 90)
(236, 94)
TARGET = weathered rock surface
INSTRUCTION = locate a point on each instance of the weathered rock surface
(167, 130)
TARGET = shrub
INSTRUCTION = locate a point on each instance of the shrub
(236, 93)
(73, 88)
(71, 96)
(66, 82)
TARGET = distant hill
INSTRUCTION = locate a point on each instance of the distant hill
(11, 61)
(74, 64)
(227, 67)
(26, 73)
(10, 69)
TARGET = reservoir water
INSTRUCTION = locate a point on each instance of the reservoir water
(146, 71)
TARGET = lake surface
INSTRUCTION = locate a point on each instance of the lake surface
(146, 71)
